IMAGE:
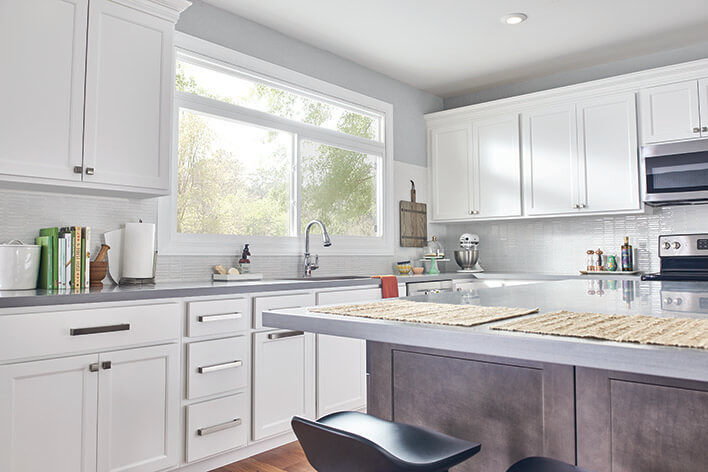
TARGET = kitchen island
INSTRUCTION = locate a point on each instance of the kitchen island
(607, 406)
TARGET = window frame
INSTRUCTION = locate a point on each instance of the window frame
(170, 242)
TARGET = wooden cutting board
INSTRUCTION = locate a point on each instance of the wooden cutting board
(414, 224)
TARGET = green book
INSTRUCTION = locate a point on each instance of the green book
(83, 258)
(45, 262)
(53, 234)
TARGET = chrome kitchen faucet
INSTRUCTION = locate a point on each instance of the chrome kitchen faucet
(311, 265)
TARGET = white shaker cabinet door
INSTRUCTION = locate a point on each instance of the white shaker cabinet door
(496, 167)
(550, 161)
(283, 380)
(48, 415)
(608, 154)
(670, 112)
(42, 56)
(341, 362)
(703, 98)
(138, 419)
(129, 81)
(450, 172)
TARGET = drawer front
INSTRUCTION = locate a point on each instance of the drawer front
(217, 316)
(217, 366)
(349, 296)
(87, 330)
(279, 302)
(216, 426)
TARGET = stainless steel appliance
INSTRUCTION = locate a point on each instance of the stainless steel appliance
(676, 173)
(675, 297)
(683, 257)
(425, 288)
(468, 255)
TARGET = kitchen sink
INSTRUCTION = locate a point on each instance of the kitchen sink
(331, 277)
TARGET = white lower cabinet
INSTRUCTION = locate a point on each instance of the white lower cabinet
(48, 415)
(108, 412)
(283, 380)
(341, 362)
(138, 409)
(216, 426)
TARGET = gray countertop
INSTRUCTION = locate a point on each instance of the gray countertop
(113, 293)
(623, 296)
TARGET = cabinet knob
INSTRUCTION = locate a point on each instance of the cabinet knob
(90, 171)
(78, 170)
(582, 205)
(576, 206)
(696, 130)
(704, 129)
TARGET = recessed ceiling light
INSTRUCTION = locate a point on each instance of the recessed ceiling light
(514, 18)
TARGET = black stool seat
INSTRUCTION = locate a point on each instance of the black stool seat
(349, 441)
(543, 464)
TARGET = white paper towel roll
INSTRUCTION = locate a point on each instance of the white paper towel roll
(138, 250)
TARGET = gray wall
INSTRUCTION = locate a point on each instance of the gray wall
(409, 104)
(610, 69)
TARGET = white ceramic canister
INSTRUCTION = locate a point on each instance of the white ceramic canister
(19, 265)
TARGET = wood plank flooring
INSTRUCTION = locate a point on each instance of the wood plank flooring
(288, 458)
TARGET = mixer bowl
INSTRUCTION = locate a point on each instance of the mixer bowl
(467, 258)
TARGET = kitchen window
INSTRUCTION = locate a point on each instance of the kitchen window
(261, 150)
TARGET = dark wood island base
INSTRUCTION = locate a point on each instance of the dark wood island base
(600, 420)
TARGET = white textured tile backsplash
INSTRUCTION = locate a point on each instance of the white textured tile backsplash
(558, 245)
(23, 213)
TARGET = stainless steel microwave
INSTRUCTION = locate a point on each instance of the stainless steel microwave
(676, 173)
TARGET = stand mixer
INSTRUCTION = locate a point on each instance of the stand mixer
(468, 254)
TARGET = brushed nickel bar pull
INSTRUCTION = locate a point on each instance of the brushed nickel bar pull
(219, 427)
(99, 329)
(217, 367)
(286, 334)
(221, 317)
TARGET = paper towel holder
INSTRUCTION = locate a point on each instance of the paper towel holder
(142, 280)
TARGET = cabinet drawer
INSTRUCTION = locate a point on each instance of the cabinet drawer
(279, 302)
(216, 426)
(217, 316)
(87, 330)
(217, 366)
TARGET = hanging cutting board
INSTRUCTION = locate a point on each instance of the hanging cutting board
(414, 222)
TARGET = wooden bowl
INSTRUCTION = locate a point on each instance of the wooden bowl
(97, 273)
(417, 270)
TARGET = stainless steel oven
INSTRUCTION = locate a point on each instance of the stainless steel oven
(676, 173)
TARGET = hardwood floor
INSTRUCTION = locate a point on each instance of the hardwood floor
(288, 458)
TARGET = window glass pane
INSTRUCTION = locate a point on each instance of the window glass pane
(233, 178)
(341, 188)
(246, 92)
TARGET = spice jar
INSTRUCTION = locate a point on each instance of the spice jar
(598, 259)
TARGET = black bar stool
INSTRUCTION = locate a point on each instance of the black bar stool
(349, 441)
(543, 464)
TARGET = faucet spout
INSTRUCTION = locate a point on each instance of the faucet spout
(309, 264)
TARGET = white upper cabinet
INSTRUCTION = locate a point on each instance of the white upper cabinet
(703, 98)
(86, 102)
(670, 112)
(450, 171)
(129, 80)
(550, 160)
(496, 167)
(608, 154)
(42, 53)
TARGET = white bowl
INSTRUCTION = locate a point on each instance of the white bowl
(19, 266)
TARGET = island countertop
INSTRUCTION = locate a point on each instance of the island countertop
(684, 299)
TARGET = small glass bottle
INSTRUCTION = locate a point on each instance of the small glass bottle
(590, 260)
(627, 256)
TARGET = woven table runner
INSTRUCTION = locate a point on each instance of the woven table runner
(682, 332)
(431, 313)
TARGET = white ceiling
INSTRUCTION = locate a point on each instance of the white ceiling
(451, 47)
